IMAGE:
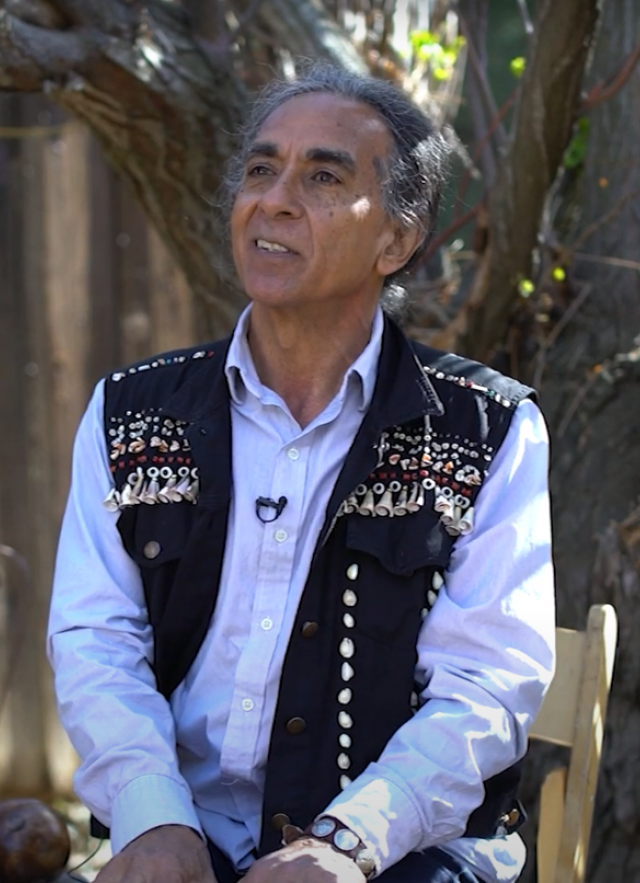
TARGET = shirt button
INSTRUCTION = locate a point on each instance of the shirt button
(151, 549)
(296, 725)
(281, 535)
(247, 704)
(266, 624)
(309, 629)
(293, 453)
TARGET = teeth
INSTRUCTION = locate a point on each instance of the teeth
(270, 246)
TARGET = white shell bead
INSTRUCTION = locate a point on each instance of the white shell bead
(345, 720)
(431, 597)
(345, 740)
(344, 761)
(352, 571)
(436, 580)
(347, 648)
(344, 696)
(348, 620)
(347, 671)
(349, 598)
(345, 781)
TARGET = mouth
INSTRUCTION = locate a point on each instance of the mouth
(266, 245)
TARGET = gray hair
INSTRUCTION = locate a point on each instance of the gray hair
(411, 178)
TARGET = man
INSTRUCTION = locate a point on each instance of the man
(317, 604)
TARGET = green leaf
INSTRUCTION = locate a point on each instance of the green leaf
(526, 287)
(517, 66)
(576, 151)
(422, 38)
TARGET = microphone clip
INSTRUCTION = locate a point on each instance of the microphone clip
(268, 503)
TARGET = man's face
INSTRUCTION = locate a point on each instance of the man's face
(308, 225)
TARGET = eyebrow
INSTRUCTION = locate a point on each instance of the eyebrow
(331, 155)
(335, 157)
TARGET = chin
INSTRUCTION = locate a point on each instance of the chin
(273, 295)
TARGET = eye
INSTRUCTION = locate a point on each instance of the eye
(258, 170)
(325, 177)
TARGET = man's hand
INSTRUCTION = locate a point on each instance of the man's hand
(171, 854)
(304, 861)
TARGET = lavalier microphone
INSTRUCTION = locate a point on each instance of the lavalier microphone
(268, 503)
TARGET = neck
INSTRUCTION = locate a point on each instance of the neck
(304, 358)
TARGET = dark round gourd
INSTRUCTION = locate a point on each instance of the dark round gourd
(34, 842)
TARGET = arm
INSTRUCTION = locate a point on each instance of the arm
(100, 647)
(485, 655)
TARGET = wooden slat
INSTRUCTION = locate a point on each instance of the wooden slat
(556, 719)
(585, 756)
(550, 827)
(67, 311)
(22, 725)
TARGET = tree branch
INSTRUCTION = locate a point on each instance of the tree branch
(307, 32)
(32, 57)
(526, 18)
(466, 179)
(605, 90)
(112, 16)
(36, 12)
(542, 127)
(456, 224)
(473, 24)
(245, 18)
(164, 113)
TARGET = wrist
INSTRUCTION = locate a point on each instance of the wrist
(334, 833)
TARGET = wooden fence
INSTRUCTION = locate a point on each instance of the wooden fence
(85, 285)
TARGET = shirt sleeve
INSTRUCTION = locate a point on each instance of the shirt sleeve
(100, 646)
(486, 657)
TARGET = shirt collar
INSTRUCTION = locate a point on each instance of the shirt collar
(242, 376)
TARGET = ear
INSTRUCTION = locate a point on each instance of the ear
(399, 249)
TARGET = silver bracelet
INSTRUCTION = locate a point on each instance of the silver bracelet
(344, 840)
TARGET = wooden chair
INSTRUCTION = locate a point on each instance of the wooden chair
(573, 714)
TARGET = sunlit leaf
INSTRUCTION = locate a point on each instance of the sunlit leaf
(517, 66)
(526, 287)
(422, 38)
(576, 150)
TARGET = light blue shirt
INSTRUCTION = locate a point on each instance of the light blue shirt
(201, 759)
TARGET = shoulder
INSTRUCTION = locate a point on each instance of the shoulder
(452, 373)
(163, 368)
(152, 382)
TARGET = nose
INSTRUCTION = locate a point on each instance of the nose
(280, 198)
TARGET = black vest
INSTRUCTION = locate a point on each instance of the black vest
(405, 492)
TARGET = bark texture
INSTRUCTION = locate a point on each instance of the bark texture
(591, 397)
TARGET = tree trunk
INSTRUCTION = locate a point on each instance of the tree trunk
(591, 397)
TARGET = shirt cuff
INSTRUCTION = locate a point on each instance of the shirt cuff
(385, 817)
(149, 802)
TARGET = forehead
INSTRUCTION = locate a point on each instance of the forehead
(325, 120)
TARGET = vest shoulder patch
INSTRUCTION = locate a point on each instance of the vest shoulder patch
(465, 383)
(164, 361)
